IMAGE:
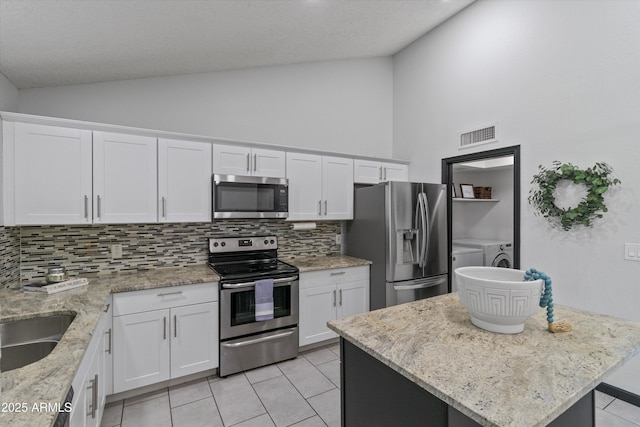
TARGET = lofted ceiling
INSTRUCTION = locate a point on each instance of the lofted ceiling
(61, 42)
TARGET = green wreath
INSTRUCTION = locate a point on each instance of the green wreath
(597, 181)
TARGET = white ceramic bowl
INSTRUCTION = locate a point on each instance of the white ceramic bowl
(497, 298)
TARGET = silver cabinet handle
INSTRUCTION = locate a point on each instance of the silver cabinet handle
(325, 207)
(255, 162)
(169, 293)
(109, 350)
(94, 396)
(98, 203)
(380, 174)
(164, 328)
(248, 162)
(86, 207)
(337, 273)
(340, 297)
(175, 326)
(385, 174)
(164, 207)
(334, 298)
(319, 207)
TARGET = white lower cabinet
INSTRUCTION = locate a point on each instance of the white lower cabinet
(165, 333)
(330, 294)
(90, 384)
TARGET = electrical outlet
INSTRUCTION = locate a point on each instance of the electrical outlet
(338, 239)
(116, 251)
(632, 251)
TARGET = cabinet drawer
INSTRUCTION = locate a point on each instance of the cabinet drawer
(161, 298)
(334, 275)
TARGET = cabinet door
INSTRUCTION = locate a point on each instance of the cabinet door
(317, 307)
(194, 338)
(184, 181)
(337, 187)
(353, 298)
(395, 172)
(93, 396)
(367, 171)
(88, 402)
(141, 349)
(52, 168)
(305, 186)
(269, 163)
(125, 179)
(107, 352)
(231, 160)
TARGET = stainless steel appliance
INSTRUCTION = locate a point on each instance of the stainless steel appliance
(246, 343)
(236, 196)
(402, 228)
(496, 253)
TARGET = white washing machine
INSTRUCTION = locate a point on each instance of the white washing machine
(462, 256)
(497, 253)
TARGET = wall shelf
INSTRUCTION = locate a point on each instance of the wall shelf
(460, 199)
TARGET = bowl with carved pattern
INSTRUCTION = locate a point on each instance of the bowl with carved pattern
(498, 299)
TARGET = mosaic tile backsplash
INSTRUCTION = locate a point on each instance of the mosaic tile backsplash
(9, 256)
(87, 249)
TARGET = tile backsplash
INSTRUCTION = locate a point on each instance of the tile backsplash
(9, 256)
(86, 249)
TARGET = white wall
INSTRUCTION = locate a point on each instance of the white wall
(8, 95)
(561, 79)
(343, 106)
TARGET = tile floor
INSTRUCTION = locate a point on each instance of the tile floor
(303, 392)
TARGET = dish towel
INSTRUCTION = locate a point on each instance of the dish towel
(264, 299)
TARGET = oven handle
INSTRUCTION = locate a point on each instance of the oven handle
(283, 334)
(251, 284)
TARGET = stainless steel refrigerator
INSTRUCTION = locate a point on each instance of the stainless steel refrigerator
(402, 228)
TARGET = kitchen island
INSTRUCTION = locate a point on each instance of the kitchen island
(424, 363)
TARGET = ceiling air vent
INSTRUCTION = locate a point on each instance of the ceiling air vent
(478, 136)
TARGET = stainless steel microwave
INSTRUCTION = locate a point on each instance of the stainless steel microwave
(236, 196)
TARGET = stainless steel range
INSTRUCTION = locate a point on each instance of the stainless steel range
(245, 342)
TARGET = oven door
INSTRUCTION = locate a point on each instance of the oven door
(249, 197)
(237, 307)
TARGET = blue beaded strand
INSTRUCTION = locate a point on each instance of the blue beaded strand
(546, 299)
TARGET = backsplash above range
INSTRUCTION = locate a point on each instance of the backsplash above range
(86, 250)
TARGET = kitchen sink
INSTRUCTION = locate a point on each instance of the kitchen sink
(28, 340)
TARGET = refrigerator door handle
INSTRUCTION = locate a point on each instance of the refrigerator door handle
(417, 228)
(422, 231)
(421, 285)
(427, 227)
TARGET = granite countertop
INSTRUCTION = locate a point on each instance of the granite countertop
(525, 379)
(305, 264)
(49, 379)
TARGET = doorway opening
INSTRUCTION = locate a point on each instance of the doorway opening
(483, 204)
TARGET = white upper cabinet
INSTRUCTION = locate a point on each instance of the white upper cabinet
(184, 181)
(52, 172)
(373, 172)
(125, 178)
(234, 160)
(395, 172)
(320, 187)
(337, 188)
(305, 186)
